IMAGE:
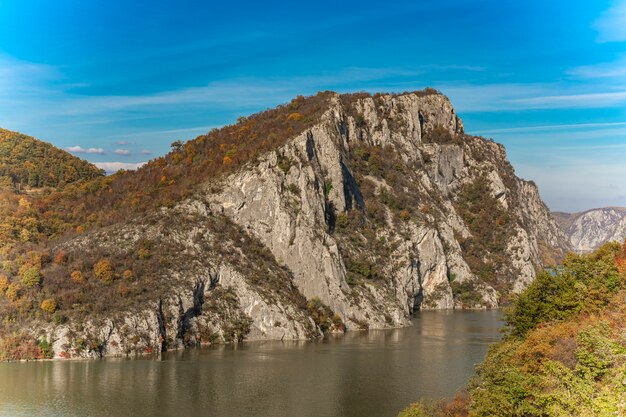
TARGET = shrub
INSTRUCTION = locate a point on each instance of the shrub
(13, 291)
(48, 305)
(128, 274)
(60, 258)
(77, 277)
(4, 284)
(103, 271)
(143, 253)
(30, 276)
(123, 290)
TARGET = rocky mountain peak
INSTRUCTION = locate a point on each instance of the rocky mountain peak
(331, 212)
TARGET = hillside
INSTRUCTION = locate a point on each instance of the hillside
(30, 162)
(590, 229)
(565, 350)
(330, 213)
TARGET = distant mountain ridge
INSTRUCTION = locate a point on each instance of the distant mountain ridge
(588, 230)
(27, 161)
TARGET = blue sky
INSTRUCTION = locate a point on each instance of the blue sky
(116, 83)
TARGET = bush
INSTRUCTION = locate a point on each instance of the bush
(103, 271)
(30, 276)
(48, 305)
(77, 277)
(4, 284)
(13, 292)
(582, 283)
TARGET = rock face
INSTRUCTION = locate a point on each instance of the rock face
(590, 229)
(383, 207)
(287, 207)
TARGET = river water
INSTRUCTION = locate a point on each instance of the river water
(375, 373)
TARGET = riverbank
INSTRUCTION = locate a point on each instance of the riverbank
(362, 373)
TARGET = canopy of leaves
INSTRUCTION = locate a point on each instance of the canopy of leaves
(27, 161)
(565, 352)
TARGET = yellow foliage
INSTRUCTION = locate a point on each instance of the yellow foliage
(294, 116)
(24, 203)
(48, 305)
(103, 271)
(13, 291)
(77, 277)
(4, 283)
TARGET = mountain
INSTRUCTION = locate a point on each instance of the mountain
(330, 213)
(590, 229)
(30, 162)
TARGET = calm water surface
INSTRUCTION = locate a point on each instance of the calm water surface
(376, 373)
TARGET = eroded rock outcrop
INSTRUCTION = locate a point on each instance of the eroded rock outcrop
(590, 229)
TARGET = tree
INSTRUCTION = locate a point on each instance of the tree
(103, 271)
(30, 276)
(48, 305)
(177, 146)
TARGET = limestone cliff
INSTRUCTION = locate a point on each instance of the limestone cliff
(381, 207)
(590, 229)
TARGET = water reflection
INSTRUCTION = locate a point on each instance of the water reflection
(360, 374)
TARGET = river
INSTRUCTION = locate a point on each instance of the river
(375, 373)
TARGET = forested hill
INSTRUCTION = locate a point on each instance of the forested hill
(27, 161)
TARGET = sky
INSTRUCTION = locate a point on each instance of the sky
(116, 82)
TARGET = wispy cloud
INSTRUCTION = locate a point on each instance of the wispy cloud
(80, 149)
(543, 128)
(531, 96)
(146, 152)
(122, 152)
(111, 167)
(584, 100)
(615, 69)
(611, 25)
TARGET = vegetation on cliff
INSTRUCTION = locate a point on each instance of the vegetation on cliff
(564, 353)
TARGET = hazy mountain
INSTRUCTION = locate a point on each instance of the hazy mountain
(588, 230)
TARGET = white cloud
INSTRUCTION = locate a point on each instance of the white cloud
(146, 152)
(123, 152)
(615, 69)
(469, 98)
(79, 149)
(542, 128)
(611, 25)
(121, 143)
(582, 100)
(111, 167)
